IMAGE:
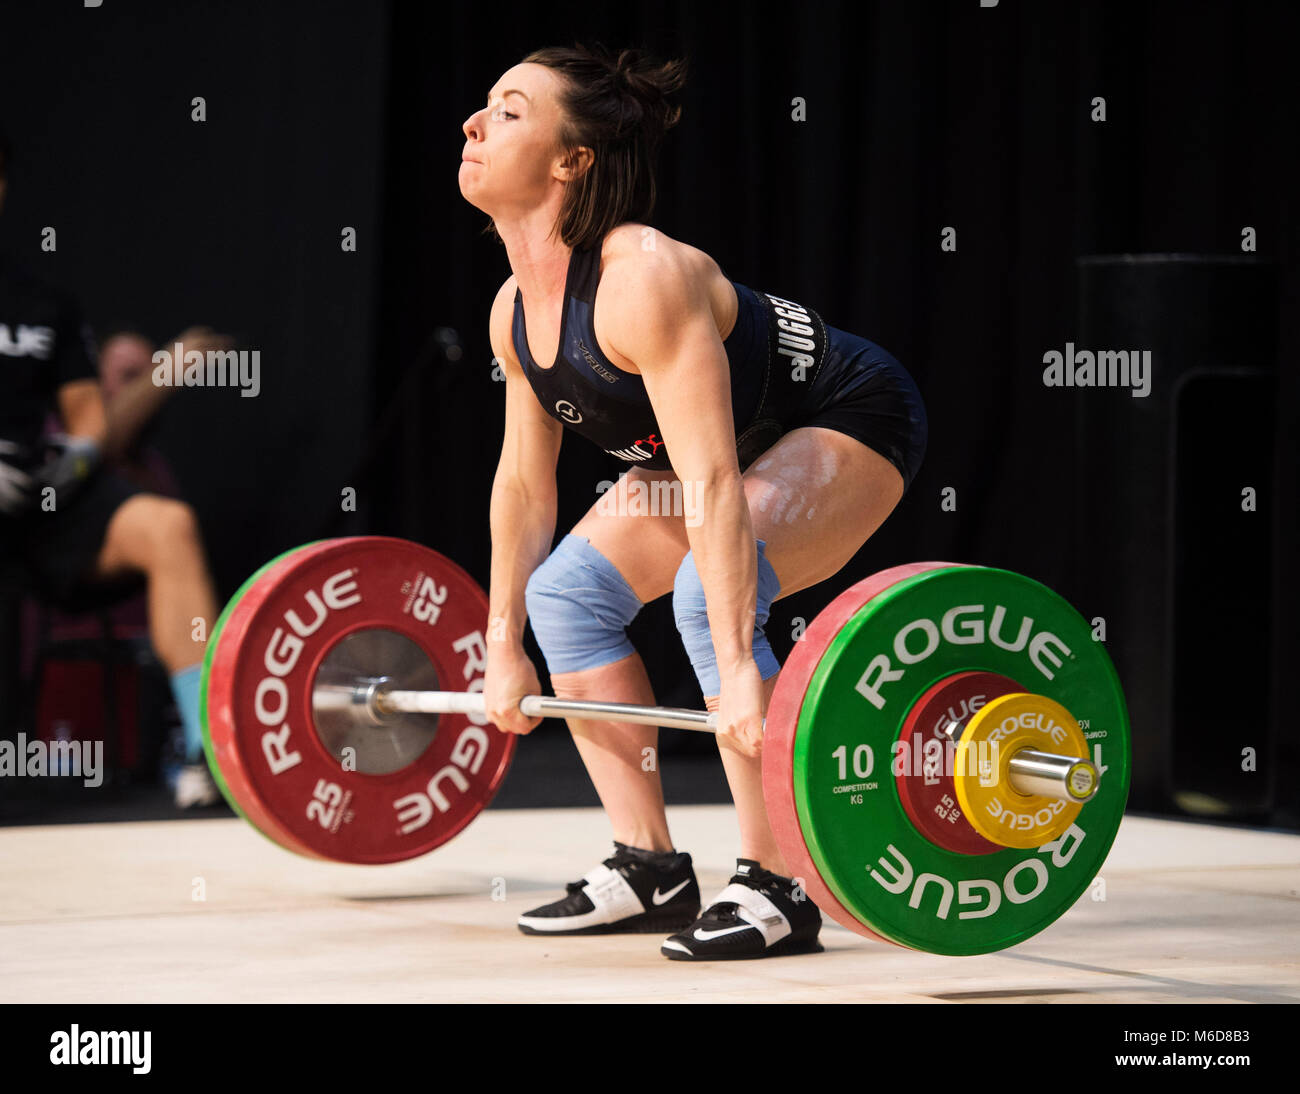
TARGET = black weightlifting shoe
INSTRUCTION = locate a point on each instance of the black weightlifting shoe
(631, 892)
(758, 914)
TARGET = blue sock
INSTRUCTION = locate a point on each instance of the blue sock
(185, 686)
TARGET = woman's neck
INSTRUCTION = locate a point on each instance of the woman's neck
(538, 259)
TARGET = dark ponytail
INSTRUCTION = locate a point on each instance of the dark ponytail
(620, 106)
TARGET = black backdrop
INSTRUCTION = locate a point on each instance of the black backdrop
(234, 221)
(919, 116)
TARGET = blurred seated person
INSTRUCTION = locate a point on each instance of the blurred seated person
(133, 403)
(68, 522)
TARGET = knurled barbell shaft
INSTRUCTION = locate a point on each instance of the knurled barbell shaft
(546, 706)
(1066, 778)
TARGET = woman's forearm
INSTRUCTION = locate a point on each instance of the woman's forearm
(523, 525)
(722, 540)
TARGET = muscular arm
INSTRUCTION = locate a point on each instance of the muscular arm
(659, 318)
(523, 490)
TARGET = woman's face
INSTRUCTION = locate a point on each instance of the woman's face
(512, 144)
(121, 359)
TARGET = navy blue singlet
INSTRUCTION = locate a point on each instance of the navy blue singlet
(591, 395)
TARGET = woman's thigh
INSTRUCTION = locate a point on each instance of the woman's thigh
(639, 524)
(814, 497)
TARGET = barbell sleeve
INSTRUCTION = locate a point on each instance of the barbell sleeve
(1067, 778)
(1072, 779)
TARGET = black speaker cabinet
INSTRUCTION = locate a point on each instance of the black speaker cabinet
(1174, 510)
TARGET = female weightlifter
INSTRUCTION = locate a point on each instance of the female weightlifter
(791, 442)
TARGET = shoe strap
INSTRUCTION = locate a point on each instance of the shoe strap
(609, 890)
(757, 910)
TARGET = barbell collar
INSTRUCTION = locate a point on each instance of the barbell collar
(361, 698)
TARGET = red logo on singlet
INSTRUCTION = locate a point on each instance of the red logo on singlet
(635, 453)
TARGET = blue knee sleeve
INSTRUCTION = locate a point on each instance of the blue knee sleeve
(580, 606)
(693, 622)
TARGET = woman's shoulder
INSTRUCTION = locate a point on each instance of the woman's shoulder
(645, 272)
(636, 249)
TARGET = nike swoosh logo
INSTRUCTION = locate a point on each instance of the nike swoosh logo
(660, 898)
(704, 936)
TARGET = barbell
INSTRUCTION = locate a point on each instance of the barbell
(945, 754)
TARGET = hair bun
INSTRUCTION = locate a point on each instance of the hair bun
(650, 83)
(617, 105)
